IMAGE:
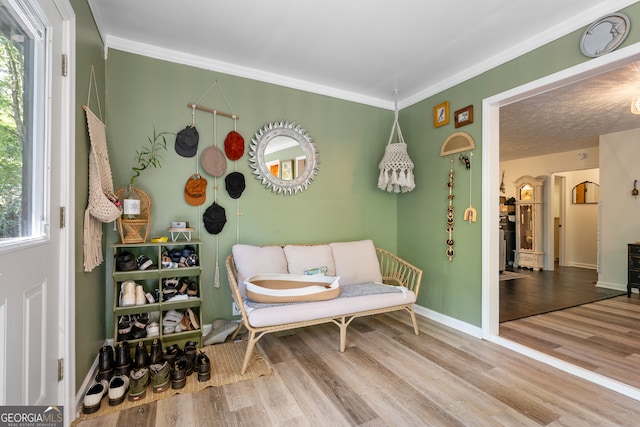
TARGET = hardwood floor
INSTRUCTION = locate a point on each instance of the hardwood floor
(545, 291)
(389, 376)
(602, 337)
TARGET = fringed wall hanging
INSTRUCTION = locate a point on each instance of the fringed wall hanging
(396, 168)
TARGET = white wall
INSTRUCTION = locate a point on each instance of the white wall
(619, 210)
(545, 167)
(580, 224)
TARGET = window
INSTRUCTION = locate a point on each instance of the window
(23, 146)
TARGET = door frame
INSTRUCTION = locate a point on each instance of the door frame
(66, 337)
(491, 214)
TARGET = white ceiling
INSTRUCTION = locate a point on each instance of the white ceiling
(364, 50)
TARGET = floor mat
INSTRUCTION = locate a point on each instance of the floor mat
(226, 362)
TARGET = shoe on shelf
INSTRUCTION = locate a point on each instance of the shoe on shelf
(125, 325)
(153, 296)
(160, 376)
(139, 328)
(187, 251)
(192, 261)
(153, 329)
(127, 293)
(125, 261)
(183, 285)
(141, 357)
(202, 366)
(123, 358)
(93, 398)
(118, 387)
(106, 363)
(141, 298)
(192, 290)
(193, 319)
(138, 384)
(143, 262)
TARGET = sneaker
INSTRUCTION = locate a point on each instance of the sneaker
(127, 293)
(160, 376)
(139, 328)
(153, 329)
(192, 290)
(143, 262)
(93, 398)
(125, 324)
(125, 261)
(192, 261)
(138, 385)
(118, 387)
(141, 298)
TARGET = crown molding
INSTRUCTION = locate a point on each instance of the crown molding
(239, 71)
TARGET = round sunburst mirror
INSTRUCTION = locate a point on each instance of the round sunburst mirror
(284, 157)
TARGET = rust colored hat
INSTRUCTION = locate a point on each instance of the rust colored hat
(195, 190)
(234, 145)
(213, 161)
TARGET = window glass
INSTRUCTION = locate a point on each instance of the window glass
(23, 146)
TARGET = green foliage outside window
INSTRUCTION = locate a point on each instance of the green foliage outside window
(11, 137)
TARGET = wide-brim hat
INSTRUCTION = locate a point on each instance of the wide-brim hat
(234, 145)
(214, 218)
(195, 190)
(213, 161)
(235, 185)
(187, 142)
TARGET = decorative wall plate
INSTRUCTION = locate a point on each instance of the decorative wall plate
(605, 35)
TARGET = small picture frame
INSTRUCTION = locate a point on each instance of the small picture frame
(463, 116)
(441, 114)
(287, 170)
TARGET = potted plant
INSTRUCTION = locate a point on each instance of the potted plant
(150, 155)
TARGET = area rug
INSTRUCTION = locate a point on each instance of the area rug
(226, 362)
(510, 275)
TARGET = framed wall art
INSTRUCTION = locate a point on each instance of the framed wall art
(287, 170)
(463, 116)
(441, 114)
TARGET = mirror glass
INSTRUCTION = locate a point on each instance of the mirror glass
(585, 193)
(284, 157)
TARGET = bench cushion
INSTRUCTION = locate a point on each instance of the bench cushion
(305, 257)
(356, 262)
(354, 299)
(250, 260)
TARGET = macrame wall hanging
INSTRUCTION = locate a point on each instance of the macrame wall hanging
(396, 168)
(103, 205)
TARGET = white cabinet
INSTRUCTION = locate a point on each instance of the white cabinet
(528, 251)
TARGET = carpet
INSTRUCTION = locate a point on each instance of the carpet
(510, 275)
(226, 362)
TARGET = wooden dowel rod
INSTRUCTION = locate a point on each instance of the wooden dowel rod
(210, 110)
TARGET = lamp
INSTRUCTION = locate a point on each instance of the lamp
(635, 105)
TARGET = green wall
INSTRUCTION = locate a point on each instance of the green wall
(454, 288)
(89, 289)
(343, 203)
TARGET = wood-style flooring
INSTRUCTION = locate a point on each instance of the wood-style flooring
(545, 291)
(603, 337)
(390, 377)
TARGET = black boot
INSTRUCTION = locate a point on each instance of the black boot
(123, 358)
(106, 363)
(156, 352)
(141, 359)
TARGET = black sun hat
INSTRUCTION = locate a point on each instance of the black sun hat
(214, 218)
(187, 142)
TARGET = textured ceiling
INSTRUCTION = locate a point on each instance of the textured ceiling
(571, 117)
(364, 50)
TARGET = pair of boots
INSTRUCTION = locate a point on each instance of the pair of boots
(112, 362)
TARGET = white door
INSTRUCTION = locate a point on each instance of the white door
(32, 262)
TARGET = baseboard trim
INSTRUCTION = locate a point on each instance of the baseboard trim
(89, 379)
(451, 322)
